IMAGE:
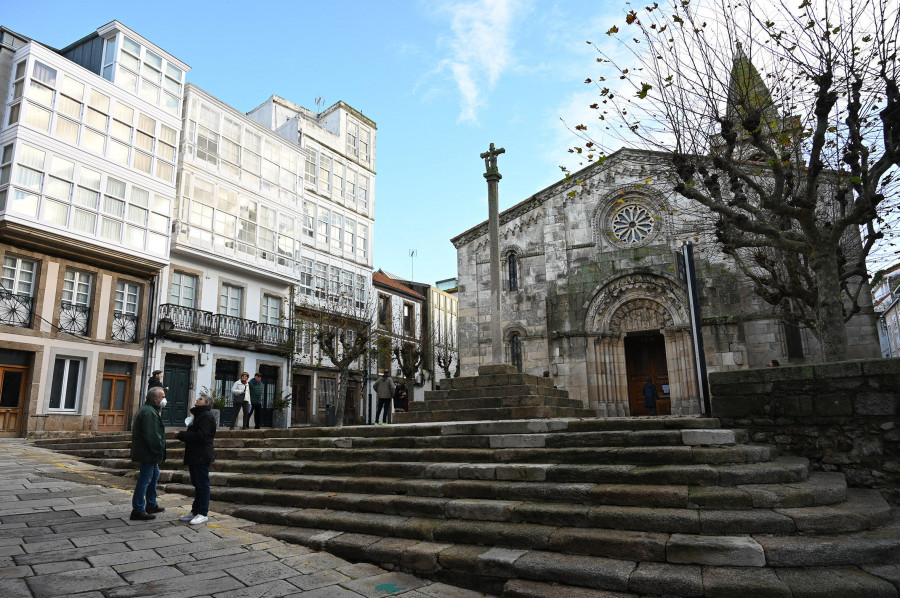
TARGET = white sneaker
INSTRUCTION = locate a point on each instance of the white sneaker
(199, 519)
(186, 517)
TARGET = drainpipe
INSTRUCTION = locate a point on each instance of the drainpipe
(151, 318)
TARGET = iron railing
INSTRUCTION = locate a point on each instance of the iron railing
(16, 309)
(74, 319)
(204, 323)
(124, 327)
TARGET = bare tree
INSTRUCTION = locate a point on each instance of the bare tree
(409, 351)
(783, 123)
(342, 330)
(445, 350)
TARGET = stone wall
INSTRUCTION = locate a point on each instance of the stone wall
(841, 416)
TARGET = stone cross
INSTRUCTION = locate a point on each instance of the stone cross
(493, 179)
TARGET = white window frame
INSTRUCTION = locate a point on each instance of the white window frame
(127, 297)
(67, 363)
(14, 282)
(270, 312)
(178, 279)
(228, 294)
(78, 281)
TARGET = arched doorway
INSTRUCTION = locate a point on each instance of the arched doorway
(639, 327)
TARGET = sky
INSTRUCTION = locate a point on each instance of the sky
(441, 79)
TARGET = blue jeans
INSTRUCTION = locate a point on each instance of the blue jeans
(200, 480)
(145, 489)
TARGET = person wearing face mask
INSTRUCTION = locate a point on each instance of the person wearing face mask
(198, 454)
(148, 448)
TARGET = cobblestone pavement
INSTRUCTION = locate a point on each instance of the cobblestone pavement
(64, 531)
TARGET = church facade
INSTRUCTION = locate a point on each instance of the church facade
(591, 294)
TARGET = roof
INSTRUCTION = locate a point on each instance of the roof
(383, 280)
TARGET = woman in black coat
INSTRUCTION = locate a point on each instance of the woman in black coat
(198, 454)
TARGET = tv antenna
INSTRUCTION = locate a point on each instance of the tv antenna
(412, 265)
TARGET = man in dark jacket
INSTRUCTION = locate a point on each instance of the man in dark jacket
(255, 388)
(198, 454)
(148, 447)
(384, 391)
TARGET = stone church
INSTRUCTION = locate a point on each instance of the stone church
(591, 293)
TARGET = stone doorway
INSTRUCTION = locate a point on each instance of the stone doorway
(645, 359)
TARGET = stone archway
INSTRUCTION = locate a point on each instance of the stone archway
(638, 303)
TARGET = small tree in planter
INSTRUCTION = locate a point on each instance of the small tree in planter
(280, 406)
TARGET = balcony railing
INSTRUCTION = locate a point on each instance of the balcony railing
(124, 327)
(188, 321)
(16, 309)
(74, 319)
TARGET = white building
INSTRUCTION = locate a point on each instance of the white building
(273, 210)
(88, 149)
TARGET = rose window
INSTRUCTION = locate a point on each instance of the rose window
(632, 224)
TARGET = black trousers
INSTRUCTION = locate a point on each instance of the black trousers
(383, 405)
(236, 408)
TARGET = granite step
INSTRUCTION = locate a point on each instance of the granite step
(519, 413)
(821, 489)
(494, 402)
(858, 512)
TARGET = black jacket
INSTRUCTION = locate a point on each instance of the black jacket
(154, 382)
(198, 438)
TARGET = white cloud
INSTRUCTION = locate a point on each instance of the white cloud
(480, 48)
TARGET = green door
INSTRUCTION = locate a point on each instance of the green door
(178, 378)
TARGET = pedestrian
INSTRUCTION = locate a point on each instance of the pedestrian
(400, 397)
(774, 363)
(239, 401)
(148, 447)
(198, 454)
(384, 391)
(650, 396)
(255, 386)
(155, 380)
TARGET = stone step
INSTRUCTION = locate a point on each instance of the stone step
(488, 392)
(821, 489)
(859, 512)
(466, 403)
(506, 450)
(501, 380)
(519, 413)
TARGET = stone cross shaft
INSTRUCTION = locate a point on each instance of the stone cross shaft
(493, 179)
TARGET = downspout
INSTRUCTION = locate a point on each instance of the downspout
(151, 319)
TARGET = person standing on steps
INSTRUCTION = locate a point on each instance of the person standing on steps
(148, 447)
(155, 380)
(239, 401)
(198, 454)
(255, 387)
(650, 396)
(384, 391)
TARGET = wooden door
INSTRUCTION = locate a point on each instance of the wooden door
(12, 399)
(300, 404)
(177, 378)
(645, 359)
(114, 392)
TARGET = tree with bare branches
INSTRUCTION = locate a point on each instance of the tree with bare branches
(342, 330)
(783, 123)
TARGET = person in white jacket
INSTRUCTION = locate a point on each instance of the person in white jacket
(239, 401)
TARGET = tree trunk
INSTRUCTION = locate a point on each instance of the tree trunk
(340, 401)
(832, 331)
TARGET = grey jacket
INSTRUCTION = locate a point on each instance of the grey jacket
(384, 388)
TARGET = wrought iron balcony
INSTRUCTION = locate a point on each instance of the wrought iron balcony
(74, 319)
(196, 324)
(16, 309)
(124, 327)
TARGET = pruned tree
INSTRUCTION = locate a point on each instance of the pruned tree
(782, 122)
(342, 330)
(409, 351)
(446, 351)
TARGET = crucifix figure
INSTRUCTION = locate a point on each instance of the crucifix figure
(493, 179)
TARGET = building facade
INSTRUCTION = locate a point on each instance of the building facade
(87, 182)
(591, 294)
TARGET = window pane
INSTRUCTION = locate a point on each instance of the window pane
(156, 244)
(40, 93)
(140, 197)
(170, 103)
(118, 152)
(173, 71)
(93, 141)
(99, 101)
(56, 213)
(147, 124)
(89, 178)
(73, 88)
(112, 206)
(59, 370)
(32, 157)
(37, 117)
(164, 171)
(115, 187)
(86, 198)
(143, 162)
(144, 141)
(58, 188)
(120, 130)
(137, 215)
(134, 237)
(152, 59)
(110, 229)
(24, 203)
(67, 130)
(124, 113)
(149, 91)
(127, 80)
(44, 73)
(131, 45)
(72, 384)
(96, 119)
(159, 222)
(85, 222)
(165, 151)
(168, 135)
(29, 178)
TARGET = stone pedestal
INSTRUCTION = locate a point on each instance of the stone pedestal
(497, 392)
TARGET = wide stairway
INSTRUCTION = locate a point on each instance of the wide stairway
(599, 508)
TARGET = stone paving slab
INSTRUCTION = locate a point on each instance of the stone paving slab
(63, 533)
